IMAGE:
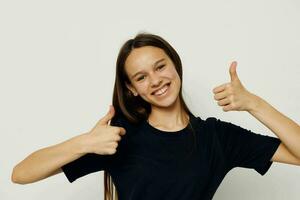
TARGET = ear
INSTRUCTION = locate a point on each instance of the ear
(131, 88)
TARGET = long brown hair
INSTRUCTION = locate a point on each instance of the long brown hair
(134, 108)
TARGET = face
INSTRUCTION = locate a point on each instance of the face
(153, 76)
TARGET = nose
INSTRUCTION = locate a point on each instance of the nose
(155, 81)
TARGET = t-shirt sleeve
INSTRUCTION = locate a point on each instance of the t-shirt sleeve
(84, 165)
(244, 148)
(92, 162)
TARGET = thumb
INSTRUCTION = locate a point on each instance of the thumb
(232, 71)
(104, 120)
(123, 131)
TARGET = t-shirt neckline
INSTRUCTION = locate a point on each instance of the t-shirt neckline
(172, 134)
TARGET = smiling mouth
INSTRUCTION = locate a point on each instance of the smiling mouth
(162, 91)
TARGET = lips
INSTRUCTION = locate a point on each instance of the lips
(160, 88)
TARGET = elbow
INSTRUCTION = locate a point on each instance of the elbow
(16, 176)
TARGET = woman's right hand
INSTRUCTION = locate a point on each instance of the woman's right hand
(103, 139)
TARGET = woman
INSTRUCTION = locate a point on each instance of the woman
(151, 144)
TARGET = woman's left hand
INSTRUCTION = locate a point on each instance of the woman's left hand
(233, 96)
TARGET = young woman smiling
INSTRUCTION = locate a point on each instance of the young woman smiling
(151, 146)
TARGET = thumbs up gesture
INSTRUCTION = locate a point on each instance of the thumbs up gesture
(103, 139)
(233, 96)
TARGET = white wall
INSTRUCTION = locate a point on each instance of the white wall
(57, 62)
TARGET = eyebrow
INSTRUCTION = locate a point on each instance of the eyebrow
(153, 65)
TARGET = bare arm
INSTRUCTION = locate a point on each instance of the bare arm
(234, 96)
(286, 129)
(102, 139)
(48, 161)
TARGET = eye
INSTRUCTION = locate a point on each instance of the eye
(161, 66)
(140, 78)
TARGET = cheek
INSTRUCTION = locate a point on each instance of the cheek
(174, 76)
(169, 73)
(142, 88)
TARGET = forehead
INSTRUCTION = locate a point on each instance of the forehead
(142, 57)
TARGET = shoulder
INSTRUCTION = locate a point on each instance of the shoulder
(209, 127)
(215, 127)
(213, 122)
(121, 121)
(217, 123)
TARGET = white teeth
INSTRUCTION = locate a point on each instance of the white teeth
(161, 91)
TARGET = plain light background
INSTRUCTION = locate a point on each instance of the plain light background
(57, 62)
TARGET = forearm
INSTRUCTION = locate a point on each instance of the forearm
(286, 129)
(42, 163)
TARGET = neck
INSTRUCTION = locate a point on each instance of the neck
(172, 117)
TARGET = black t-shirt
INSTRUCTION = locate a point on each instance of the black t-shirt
(183, 165)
